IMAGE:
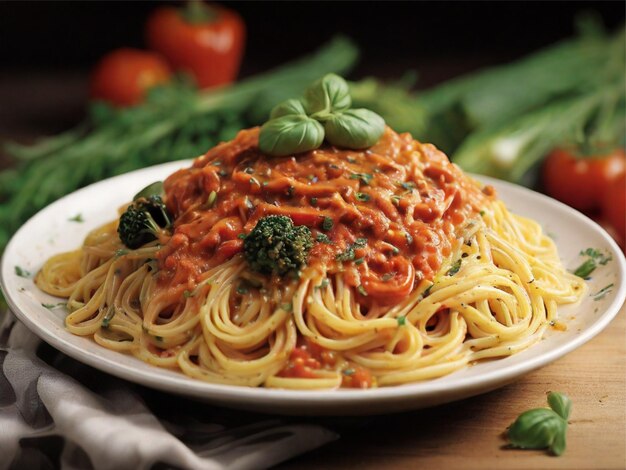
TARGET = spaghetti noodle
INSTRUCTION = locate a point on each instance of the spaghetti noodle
(417, 271)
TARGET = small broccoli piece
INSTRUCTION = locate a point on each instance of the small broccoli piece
(142, 221)
(276, 245)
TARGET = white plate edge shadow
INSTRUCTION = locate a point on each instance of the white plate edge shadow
(410, 396)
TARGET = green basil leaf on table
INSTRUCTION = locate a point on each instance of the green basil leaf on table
(354, 128)
(539, 428)
(561, 404)
(327, 95)
(290, 134)
(287, 108)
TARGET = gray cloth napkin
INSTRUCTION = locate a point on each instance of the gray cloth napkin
(56, 412)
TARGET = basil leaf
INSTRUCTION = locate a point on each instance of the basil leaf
(561, 404)
(287, 108)
(290, 134)
(558, 445)
(354, 129)
(153, 189)
(329, 94)
(537, 429)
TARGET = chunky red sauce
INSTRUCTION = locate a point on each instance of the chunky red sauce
(405, 198)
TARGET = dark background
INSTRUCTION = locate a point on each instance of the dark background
(47, 48)
(61, 34)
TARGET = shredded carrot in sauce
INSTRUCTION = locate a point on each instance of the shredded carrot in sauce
(395, 209)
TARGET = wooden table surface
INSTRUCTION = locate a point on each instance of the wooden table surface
(465, 434)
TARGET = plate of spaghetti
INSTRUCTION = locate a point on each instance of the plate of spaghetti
(332, 281)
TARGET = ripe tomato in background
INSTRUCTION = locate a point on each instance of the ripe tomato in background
(614, 206)
(581, 182)
(123, 76)
(204, 40)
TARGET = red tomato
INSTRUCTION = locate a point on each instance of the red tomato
(123, 76)
(206, 41)
(614, 205)
(581, 182)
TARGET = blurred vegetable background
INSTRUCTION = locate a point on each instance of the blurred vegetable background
(170, 99)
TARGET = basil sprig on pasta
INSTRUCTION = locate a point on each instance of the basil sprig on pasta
(297, 126)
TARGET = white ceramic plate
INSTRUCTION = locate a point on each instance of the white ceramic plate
(50, 232)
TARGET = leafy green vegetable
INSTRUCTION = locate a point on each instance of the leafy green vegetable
(595, 257)
(542, 428)
(77, 218)
(296, 127)
(21, 272)
(327, 95)
(292, 133)
(276, 245)
(289, 107)
(602, 292)
(354, 128)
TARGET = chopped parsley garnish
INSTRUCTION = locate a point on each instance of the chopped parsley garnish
(242, 236)
(291, 191)
(106, 320)
(595, 257)
(408, 185)
(362, 290)
(314, 201)
(52, 306)
(77, 218)
(426, 292)
(482, 213)
(401, 320)
(348, 372)
(602, 292)
(362, 197)
(242, 290)
(455, 268)
(395, 250)
(287, 307)
(395, 200)
(323, 284)
(359, 261)
(322, 238)
(21, 272)
(120, 252)
(348, 254)
(387, 276)
(365, 178)
(188, 294)
(212, 198)
(327, 224)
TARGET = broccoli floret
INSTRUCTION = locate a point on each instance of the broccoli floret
(142, 221)
(276, 245)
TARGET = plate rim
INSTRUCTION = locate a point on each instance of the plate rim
(239, 395)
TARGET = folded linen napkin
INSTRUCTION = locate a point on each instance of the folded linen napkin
(56, 412)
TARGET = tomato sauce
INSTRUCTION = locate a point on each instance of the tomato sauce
(398, 204)
(405, 198)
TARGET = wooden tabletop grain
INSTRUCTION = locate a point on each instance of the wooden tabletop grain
(467, 434)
